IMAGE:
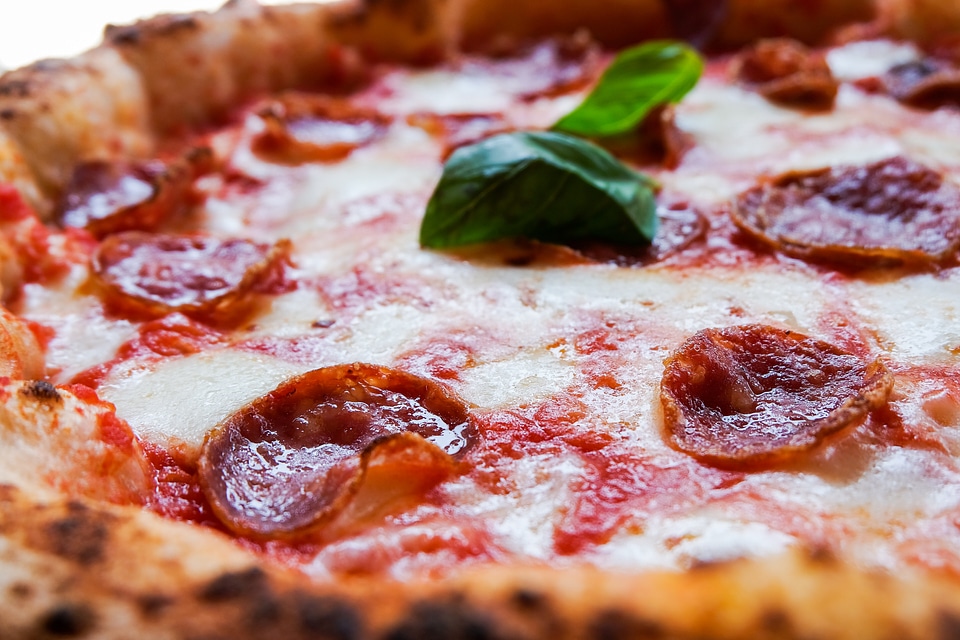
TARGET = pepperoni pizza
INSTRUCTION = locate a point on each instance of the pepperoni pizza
(485, 320)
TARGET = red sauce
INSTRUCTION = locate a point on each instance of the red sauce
(178, 495)
(170, 336)
(621, 487)
(115, 431)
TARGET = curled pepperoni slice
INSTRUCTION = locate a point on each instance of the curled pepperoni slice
(786, 72)
(297, 457)
(928, 83)
(205, 278)
(757, 395)
(109, 197)
(300, 128)
(891, 211)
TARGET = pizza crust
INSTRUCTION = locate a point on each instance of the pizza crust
(81, 567)
(60, 112)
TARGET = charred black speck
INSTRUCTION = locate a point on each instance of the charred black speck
(328, 618)
(20, 590)
(776, 621)
(528, 599)
(444, 621)
(68, 621)
(948, 625)
(15, 88)
(152, 605)
(80, 536)
(616, 625)
(233, 585)
(41, 390)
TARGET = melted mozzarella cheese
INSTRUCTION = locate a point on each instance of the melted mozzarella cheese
(178, 401)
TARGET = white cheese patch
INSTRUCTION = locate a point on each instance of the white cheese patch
(917, 318)
(180, 400)
(870, 58)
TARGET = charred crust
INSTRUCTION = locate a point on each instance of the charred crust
(327, 618)
(68, 620)
(617, 625)
(42, 391)
(15, 89)
(449, 620)
(822, 555)
(248, 584)
(81, 536)
(20, 590)
(528, 600)
(160, 26)
(7, 114)
(776, 621)
(948, 625)
(152, 605)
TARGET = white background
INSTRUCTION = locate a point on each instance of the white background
(33, 29)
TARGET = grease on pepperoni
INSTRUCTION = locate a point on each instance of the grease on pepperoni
(109, 197)
(891, 211)
(929, 83)
(786, 72)
(301, 128)
(206, 278)
(355, 438)
(756, 395)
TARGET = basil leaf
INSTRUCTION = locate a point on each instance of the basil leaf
(539, 185)
(638, 80)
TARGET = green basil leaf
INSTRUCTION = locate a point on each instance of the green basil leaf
(638, 80)
(539, 185)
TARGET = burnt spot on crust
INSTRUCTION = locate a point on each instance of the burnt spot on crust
(528, 600)
(234, 585)
(42, 391)
(160, 26)
(20, 590)
(152, 605)
(617, 625)
(327, 618)
(68, 620)
(15, 89)
(7, 114)
(450, 620)
(81, 536)
(948, 625)
(776, 621)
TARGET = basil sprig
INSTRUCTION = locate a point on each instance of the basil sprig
(544, 186)
(638, 80)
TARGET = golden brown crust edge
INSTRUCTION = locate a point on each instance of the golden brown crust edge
(80, 569)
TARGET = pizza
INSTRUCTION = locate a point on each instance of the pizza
(476, 319)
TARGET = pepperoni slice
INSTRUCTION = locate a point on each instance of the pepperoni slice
(891, 211)
(205, 278)
(756, 395)
(307, 451)
(786, 72)
(300, 128)
(928, 83)
(109, 197)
